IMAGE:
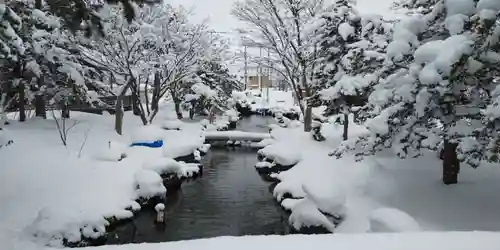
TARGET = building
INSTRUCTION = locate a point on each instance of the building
(254, 83)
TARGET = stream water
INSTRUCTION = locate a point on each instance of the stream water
(230, 199)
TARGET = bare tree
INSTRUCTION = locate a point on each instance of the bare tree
(284, 28)
(63, 126)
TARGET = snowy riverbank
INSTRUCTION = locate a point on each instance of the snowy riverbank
(51, 193)
(379, 194)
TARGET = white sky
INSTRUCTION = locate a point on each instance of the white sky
(218, 13)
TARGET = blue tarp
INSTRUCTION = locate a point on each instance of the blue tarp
(155, 144)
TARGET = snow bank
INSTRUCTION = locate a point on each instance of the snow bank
(170, 166)
(264, 164)
(284, 156)
(172, 124)
(147, 133)
(404, 241)
(149, 184)
(305, 214)
(329, 184)
(182, 143)
(392, 220)
(69, 192)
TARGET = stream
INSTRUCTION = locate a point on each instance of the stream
(230, 199)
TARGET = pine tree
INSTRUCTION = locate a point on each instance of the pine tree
(76, 12)
(443, 72)
(352, 47)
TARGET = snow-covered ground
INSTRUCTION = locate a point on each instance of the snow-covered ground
(277, 100)
(406, 241)
(382, 194)
(49, 192)
(54, 192)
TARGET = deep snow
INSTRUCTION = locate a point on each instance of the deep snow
(49, 192)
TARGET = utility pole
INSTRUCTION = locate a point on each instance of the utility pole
(269, 82)
(259, 70)
(246, 68)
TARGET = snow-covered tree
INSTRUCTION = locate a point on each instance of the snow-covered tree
(351, 49)
(126, 53)
(285, 28)
(445, 70)
(48, 69)
(84, 15)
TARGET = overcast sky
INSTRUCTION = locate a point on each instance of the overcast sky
(219, 11)
(218, 14)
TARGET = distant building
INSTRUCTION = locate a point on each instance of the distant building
(254, 83)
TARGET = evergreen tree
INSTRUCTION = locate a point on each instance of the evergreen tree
(352, 47)
(443, 72)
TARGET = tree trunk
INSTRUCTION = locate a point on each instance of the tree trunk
(346, 126)
(65, 112)
(178, 109)
(308, 119)
(22, 103)
(119, 115)
(40, 109)
(119, 109)
(135, 102)
(451, 164)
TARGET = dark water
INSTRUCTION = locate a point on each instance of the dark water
(230, 199)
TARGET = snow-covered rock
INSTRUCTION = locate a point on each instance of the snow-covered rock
(149, 184)
(305, 214)
(281, 154)
(264, 164)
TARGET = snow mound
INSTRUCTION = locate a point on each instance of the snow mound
(114, 151)
(306, 214)
(172, 124)
(149, 184)
(289, 204)
(181, 143)
(392, 220)
(147, 133)
(159, 207)
(264, 164)
(288, 187)
(204, 148)
(328, 200)
(281, 154)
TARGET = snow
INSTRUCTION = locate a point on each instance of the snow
(278, 101)
(289, 204)
(488, 4)
(204, 90)
(464, 7)
(172, 124)
(181, 143)
(455, 24)
(392, 220)
(345, 30)
(306, 214)
(347, 85)
(168, 165)
(149, 184)
(264, 164)
(148, 133)
(159, 207)
(91, 184)
(281, 155)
